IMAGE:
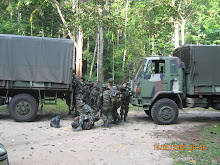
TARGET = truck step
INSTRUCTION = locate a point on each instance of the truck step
(50, 100)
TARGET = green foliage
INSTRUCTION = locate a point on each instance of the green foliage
(149, 30)
(202, 147)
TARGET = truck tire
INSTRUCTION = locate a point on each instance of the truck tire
(164, 111)
(148, 112)
(23, 107)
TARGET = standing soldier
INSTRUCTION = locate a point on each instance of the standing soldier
(94, 97)
(116, 103)
(78, 93)
(106, 103)
(124, 102)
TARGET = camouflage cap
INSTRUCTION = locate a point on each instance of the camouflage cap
(110, 80)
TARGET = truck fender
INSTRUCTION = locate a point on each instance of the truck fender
(164, 94)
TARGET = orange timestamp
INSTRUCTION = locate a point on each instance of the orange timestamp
(176, 147)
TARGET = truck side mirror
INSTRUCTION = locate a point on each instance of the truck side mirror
(131, 65)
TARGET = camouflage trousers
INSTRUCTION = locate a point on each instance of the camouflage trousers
(124, 110)
(78, 100)
(115, 114)
(107, 114)
(87, 121)
(107, 106)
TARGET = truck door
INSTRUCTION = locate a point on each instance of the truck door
(176, 76)
(154, 78)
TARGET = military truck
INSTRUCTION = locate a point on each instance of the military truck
(33, 71)
(189, 78)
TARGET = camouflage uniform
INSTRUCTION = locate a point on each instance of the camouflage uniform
(124, 103)
(85, 120)
(78, 93)
(106, 106)
(95, 97)
(86, 93)
(116, 103)
(110, 103)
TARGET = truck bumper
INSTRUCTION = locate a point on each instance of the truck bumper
(136, 101)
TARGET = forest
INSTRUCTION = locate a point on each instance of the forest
(110, 34)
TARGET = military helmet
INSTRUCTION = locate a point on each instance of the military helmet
(110, 80)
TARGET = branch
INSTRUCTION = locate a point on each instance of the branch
(64, 22)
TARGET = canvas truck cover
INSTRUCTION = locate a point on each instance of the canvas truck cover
(36, 59)
(202, 63)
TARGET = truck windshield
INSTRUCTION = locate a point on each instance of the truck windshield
(140, 69)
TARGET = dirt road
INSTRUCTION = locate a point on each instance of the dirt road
(36, 143)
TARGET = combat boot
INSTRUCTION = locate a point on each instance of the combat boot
(125, 119)
(109, 124)
(105, 125)
(118, 122)
(114, 122)
(79, 128)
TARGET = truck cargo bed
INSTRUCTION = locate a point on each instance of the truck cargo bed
(35, 59)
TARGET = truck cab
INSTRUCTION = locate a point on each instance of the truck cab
(158, 86)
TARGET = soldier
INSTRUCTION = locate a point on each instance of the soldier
(78, 93)
(106, 103)
(86, 118)
(124, 102)
(116, 103)
(94, 97)
(86, 93)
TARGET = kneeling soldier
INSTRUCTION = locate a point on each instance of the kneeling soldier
(86, 118)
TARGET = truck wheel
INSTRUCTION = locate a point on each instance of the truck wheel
(23, 107)
(164, 111)
(148, 112)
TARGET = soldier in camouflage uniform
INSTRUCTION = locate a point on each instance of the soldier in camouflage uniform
(94, 97)
(78, 93)
(84, 85)
(106, 103)
(86, 93)
(86, 118)
(116, 103)
(124, 102)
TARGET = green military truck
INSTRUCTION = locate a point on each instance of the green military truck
(33, 71)
(189, 78)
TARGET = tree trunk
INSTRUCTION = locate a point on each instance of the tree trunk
(93, 59)
(87, 66)
(125, 53)
(79, 50)
(101, 76)
(113, 62)
(118, 36)
(183, 31)
(98, 58)
(176, 25)
(79, 45)
(152, 46)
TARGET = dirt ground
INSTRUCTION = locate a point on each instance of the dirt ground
(37, 143)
